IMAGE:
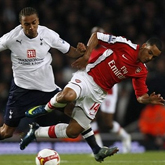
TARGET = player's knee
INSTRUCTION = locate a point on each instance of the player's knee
(73, 135)
(66, 96)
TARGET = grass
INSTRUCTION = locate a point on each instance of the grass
(147, 158)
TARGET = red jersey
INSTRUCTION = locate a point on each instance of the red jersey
(116, 63)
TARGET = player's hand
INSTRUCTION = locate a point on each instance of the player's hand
(81, 48)
(156, 99)
(82, 61)
(151, 99)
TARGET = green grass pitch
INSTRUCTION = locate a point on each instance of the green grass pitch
(147, 158)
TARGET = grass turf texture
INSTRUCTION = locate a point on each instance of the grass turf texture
(147, 158)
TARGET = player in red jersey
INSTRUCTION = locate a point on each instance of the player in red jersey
(88, 88)
(108, 108)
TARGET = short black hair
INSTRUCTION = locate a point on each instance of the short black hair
(27, 11)
(155, 41)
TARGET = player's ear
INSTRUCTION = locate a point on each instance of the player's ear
(144, 45)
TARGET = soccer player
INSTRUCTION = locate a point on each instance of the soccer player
(33, 82)
(122, 59)
(108, 108)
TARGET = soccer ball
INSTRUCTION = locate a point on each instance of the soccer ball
(48, 157)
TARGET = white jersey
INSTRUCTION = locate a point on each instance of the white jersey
(31, 60)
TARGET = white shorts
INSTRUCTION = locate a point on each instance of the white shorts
(89, 94)
(109, 103)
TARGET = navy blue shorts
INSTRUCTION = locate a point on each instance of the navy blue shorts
(20, 100)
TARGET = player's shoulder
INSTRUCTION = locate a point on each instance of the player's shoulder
(46, 31)
(16, 30)
(14, 33)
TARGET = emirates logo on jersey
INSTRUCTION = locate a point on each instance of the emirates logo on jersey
(138, 70)
(78, 81)
(31, 53)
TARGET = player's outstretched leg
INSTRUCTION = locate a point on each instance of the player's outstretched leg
(126, 142)
(105, 152)
(30, 136)
(36, 111)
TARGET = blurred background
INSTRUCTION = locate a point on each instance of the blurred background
(136, 20)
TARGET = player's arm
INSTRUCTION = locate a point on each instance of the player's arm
(76, 52)
(82, 62)
(3, 40)
(151, 99)
(141, 92)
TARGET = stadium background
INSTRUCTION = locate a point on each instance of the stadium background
(137, 20)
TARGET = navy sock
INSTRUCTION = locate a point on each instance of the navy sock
(90, 139)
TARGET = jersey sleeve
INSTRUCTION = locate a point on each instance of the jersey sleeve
(58, 43)
(139, 85)
(3, 42)
(109, 40)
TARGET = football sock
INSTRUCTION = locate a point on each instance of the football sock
(119, 130)
(54, 104)
(88, 135)
(58, 131)
(123, 134)
(94, 126)
(42, 132)
(116, 127)
(54, 131)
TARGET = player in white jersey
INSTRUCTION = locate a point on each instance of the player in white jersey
(33, 83)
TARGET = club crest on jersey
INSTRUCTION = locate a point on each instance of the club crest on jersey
(31, 53)
(78, 81)
(138, 70)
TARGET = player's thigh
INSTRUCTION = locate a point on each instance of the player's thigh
(69, 109)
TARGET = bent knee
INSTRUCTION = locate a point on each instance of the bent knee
(67, 95)
(73, 136)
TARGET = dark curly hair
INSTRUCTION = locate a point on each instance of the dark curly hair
(27, 11)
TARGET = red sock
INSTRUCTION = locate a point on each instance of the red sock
(51, 132)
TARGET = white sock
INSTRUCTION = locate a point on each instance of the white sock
(94, 126)
(119, 130)
(54, 104)
(116, 127)
(123, 134)
(42, 132)
(99, 139)
(60, 130)
(54, 131)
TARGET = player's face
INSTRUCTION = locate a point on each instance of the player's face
(30, 25)
(148, 53)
